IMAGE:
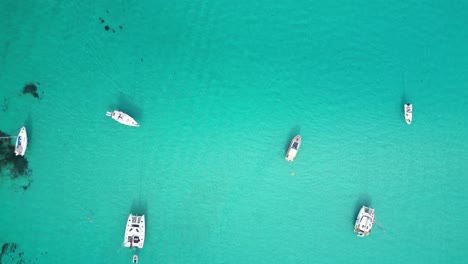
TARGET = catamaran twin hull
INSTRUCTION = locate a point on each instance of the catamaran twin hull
(364, 221)
(135, 231)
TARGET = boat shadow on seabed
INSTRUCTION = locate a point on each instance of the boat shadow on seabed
(139, 207)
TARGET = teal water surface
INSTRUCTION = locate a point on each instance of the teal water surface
(219, 89)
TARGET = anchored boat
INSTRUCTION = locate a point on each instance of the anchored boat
(135, 259)
(122, 118)
(293, 148)
(364, 221)
(135, 231)
(21, 142)
(408, 113)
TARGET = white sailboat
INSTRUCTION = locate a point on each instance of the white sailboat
(364, 221)
(408, 113)
(135, 259)
(135, 231)
(123, 118)
(293, 148)
(21, 142)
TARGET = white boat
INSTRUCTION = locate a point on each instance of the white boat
(293, 148)
(135, 259)
(21, 142)
(135, 231)
(364, 221)
(122, 118)
(408, 113)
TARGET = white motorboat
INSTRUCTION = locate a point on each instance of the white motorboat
(135, 259)
(364, 221)
(408, 113)
(21, 142)
(122, 118)
(135, 231)
(293, 148)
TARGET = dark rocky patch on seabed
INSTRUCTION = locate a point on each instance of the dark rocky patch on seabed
(31, 88)
(9, 254)
(5, 104)
(108, 27)
(15, 166)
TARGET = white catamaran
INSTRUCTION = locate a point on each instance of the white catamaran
(122, 118)
(21, 142)
(293, 148)
(408, 113)
(135, 231)
(364, 221)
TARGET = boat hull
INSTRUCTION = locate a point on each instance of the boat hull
(293, 148)
(408, 108)
(21, 142)
(135, 231)
(364, 221)
(123, 118)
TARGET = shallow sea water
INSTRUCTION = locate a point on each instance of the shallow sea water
(219, 89)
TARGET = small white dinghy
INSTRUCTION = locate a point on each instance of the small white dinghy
(408, 113)
(135, 259)
(135, 231)
(21, 142)
(364, 221)
(293, 148)
(122, 118)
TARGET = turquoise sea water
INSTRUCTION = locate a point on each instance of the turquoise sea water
(219, 89)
